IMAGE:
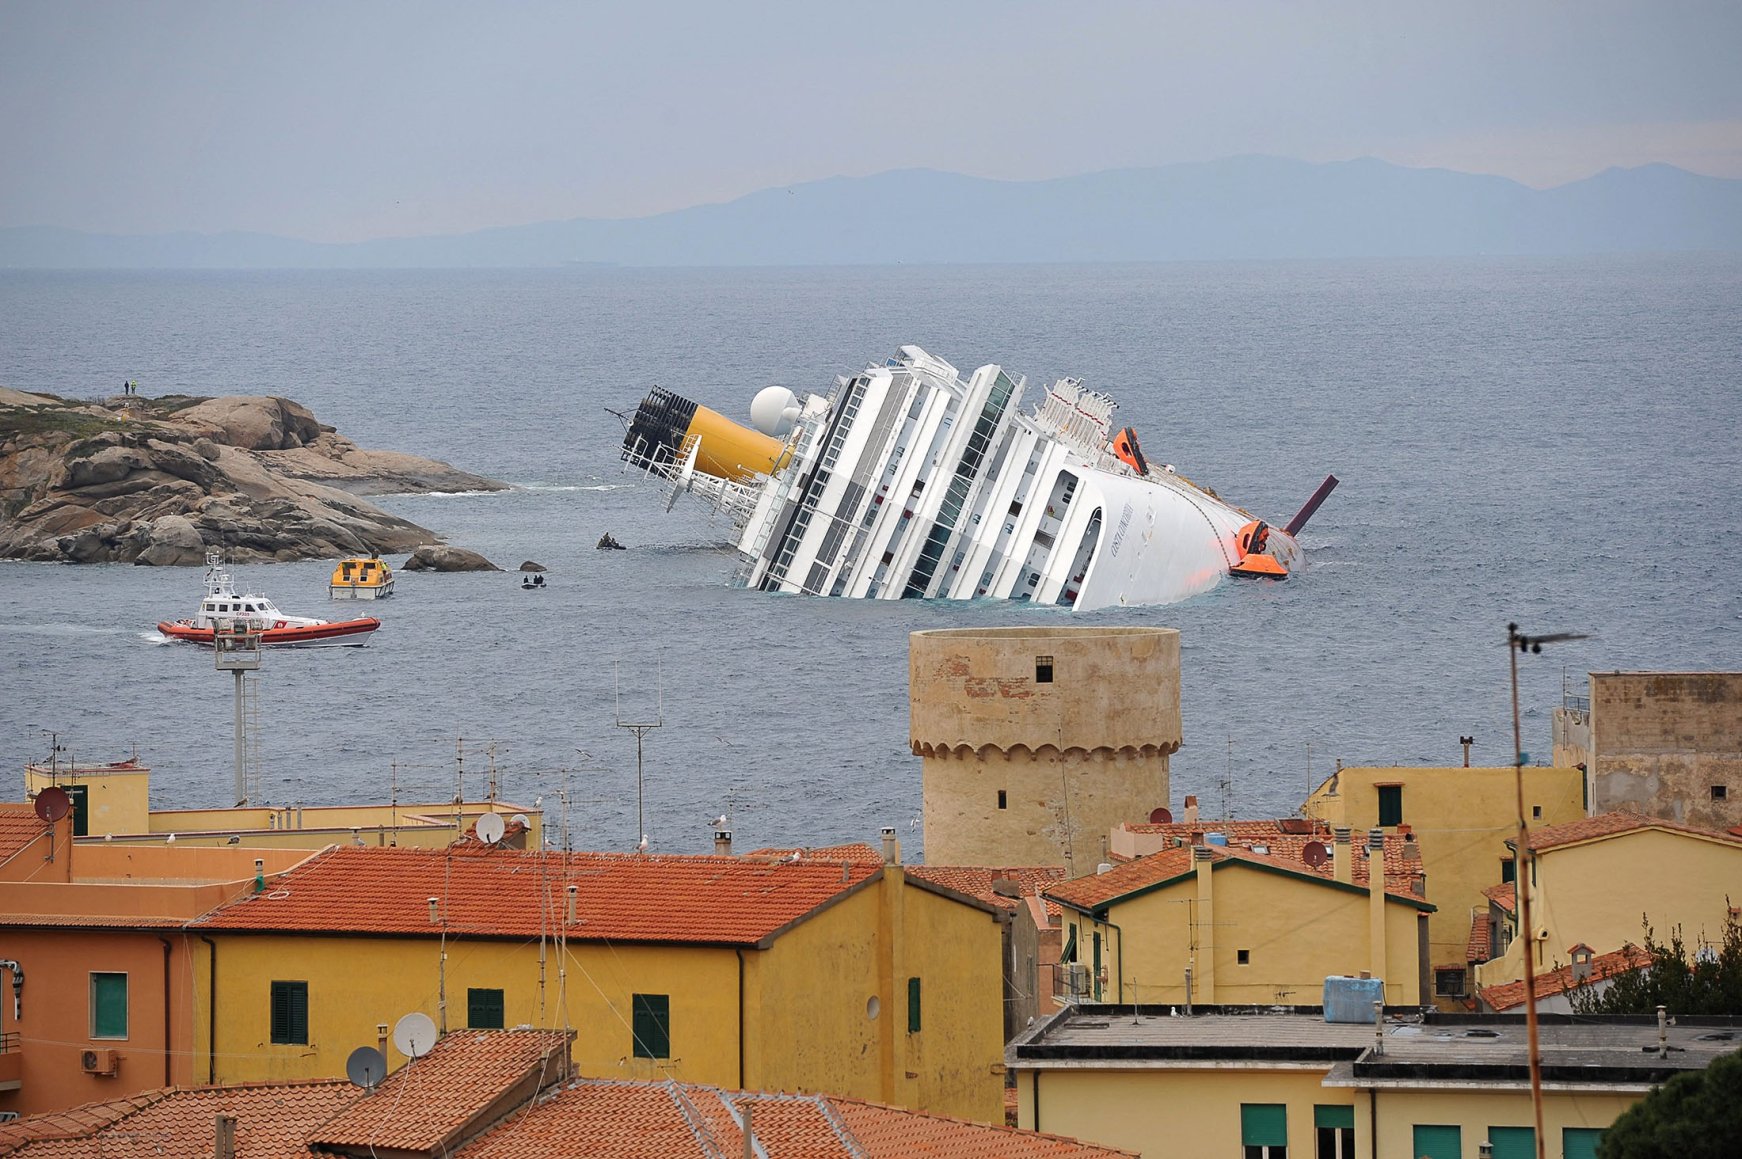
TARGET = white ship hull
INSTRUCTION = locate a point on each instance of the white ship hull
(913, 482)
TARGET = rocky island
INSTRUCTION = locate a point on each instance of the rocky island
(156, 481)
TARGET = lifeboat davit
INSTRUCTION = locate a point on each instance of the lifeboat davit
(224, 609)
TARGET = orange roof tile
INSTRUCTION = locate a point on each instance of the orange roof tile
(428, 1103)
(1504, 895)
(492, 892)
(1096, 890)
(976, 880)
(74, 1121)
(856, 852)
(1511, 994)
(271, 1123)
(1288, 837)
(609, 1119)
(1614, 824)
(19, 826)
(1478, 948)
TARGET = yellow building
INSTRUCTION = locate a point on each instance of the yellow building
(1223, 1083)
(846, 976)
(1213, 924)
(1462, 819)
(1599, 881)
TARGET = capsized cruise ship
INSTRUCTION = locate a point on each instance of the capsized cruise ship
(910, 481)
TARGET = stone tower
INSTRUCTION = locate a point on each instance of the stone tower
(1037, 741)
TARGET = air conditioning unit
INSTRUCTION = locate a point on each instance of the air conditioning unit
(101, 1062)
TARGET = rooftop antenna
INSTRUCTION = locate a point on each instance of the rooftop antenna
(491, 781)
(640, 729)
(459, 781)
(55, 749)
(1227, 785)
(1517, 642)
(236, 649)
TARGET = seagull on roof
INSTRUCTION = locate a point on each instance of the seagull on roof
(641, 846)
(719, 822)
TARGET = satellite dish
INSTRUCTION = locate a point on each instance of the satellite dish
(522, 820)
(1315, 854)
(366, 1067)
(490, 828)
(1161, 816)
(53, 803)
(414, 1035)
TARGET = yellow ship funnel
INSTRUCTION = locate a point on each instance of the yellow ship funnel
(666, 425)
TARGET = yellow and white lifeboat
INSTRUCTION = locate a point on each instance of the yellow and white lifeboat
(361, 578)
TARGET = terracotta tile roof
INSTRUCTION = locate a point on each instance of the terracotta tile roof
(519, 894)
(1504, 895)
(1096, 890)
(1288, 837)
(1478, 948)
(976, 880)
(1613, 824)
(271, 1123)
(1509, 995)
(427, 1104)
(19, 826)
(93, 921)
(856, 852)
(608, 1119)
(74, 1121)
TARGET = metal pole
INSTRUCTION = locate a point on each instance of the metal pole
(241, 776)
(1522, 886)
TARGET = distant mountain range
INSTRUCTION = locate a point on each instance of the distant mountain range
(1242, 207)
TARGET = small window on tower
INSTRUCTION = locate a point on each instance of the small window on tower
(1043, 669)
(1720, 792)
(1001, 799)
(1243, 957)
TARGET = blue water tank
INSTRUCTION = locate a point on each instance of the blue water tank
(1352, 999)
(1215, 839)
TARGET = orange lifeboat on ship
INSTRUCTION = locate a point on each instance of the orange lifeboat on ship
(1254, 561)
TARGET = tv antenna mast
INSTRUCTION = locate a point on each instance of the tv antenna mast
(640, 728)
(236, 648)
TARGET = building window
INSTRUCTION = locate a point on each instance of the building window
(913, 1005)
(650, 1023)
(1390, 804)
(1438, 1142)
(1508, 870)
(1513, 1142)
(1043, 669)
(1243, 957)
(1449, 983)
(290, 1013)
(1536, 812)
(1720, 792)
(484, 1009)
(1334, 1132)
(1001, 799)
(108, 1005)
(1264, 1130)
(1580, 1142)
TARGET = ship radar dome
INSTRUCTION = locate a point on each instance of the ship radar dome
(774, 410)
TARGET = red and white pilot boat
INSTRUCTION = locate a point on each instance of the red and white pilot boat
(223, 608)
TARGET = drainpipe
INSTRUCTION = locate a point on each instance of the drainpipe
(1376, 906)
(166, 1022)
(740, 1018)
(1206, 965)
(211, 1014)
(1119, 977)
(1373, 1122)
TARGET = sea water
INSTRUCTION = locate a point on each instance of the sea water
(1554, 442)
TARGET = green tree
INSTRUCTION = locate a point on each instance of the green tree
(1705, 981)
(1697, 1115)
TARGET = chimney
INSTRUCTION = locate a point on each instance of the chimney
(891, 847)
(574, 892)
(1204, 961)
(1466, 741)
(722, 843)
(1376, 906)
(1189, 814)
(1581, 962)
(1342, 868)
(224, 1146)
(433, 902)
(381, 1038)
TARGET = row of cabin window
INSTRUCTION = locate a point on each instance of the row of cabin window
(1264, 1135)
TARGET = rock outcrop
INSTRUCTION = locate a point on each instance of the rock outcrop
(440, 557)
(157, 481)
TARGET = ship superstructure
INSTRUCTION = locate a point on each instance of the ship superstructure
(910, 481)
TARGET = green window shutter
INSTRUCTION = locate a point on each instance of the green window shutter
(1435, 1142)
(1513, 1142)
(108, 1006)
(484, 1009)
(650, 1023)
(1334, 1116)
(290, 1013)
(1069, 953)
(1391, 804)
(913, 1005)
(1263, 1125)
(1581, 1142)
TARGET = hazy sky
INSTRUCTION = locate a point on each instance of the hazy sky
(340, 121)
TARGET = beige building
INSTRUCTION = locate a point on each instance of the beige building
(1268, 1083)
(1038, 741)
(1664, 743)
(1462, 819)
(1600, 880)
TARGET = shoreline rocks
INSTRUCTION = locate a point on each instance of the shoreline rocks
(156, 481)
